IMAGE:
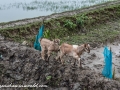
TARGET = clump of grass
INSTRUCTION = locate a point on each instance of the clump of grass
(95, 35)
(69, 24)
(113, 73)
(48, 77)
(46, 34)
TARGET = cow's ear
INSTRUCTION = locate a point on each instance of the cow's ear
(58, 41)
(55, 41)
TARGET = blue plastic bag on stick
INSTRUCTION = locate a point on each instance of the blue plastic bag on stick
(107, 70)
(38, 36)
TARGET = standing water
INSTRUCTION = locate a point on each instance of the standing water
(11, 10)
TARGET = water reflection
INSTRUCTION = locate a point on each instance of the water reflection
(20, 9)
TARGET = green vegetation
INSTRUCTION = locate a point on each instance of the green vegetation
(47, 34)
(84, 27)
(48, 77)
(113, 76)
(53, 6)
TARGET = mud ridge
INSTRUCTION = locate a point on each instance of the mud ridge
(23, 65)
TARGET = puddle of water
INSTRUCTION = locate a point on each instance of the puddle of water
(11, 10)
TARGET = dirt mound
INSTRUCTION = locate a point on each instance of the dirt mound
(21, 65)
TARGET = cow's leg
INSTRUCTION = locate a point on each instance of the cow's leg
(43, 53)
(61, 55)
(77, 58)
(48, 54)
(58, 55)
(80, 65)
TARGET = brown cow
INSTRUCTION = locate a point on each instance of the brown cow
(73, 50)
(48, 46)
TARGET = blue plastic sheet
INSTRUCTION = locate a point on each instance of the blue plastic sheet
(38, 36)
(107, 70)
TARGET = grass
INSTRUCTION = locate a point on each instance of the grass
(80, 28)
(99, 34)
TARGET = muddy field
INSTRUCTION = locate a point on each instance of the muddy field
(21, 65)
(95, 59)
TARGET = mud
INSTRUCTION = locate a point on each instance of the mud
(21, 65)
(95, 59)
